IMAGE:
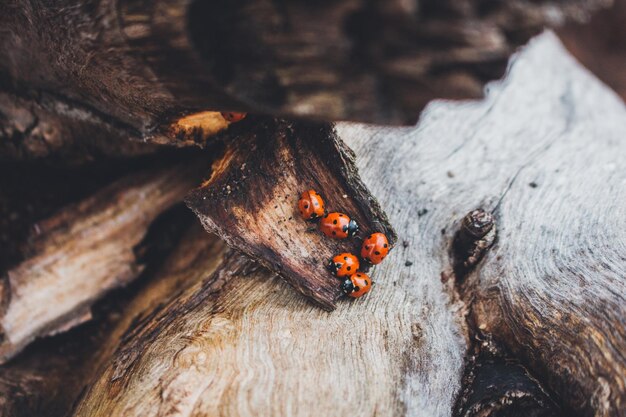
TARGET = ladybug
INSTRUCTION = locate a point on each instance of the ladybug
(338, 226)
(357, 285)
(375, 248)
(233, 117)
(311, 205)
(344, 265)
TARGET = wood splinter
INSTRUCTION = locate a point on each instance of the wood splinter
(251, 199)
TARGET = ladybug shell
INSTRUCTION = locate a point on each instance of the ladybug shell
(375, 248)
(233, 117)
(357, 285)
(311, 205)
(338, 226)
(344, 265)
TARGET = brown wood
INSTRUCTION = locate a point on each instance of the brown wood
(60, 133)
(251, 201)
(50, 375)
(132, 68)
(83, 251)
(549, 177)
(599, 45)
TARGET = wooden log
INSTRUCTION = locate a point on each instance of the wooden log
(251, 200)
(137, 66)
(50, 375)
(34, 130)
(83, 251)
(542, 154)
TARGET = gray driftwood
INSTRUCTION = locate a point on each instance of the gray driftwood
(544, 154)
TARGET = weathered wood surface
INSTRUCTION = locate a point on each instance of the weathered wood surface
(132, 68)
(83, 251)
(47, 378)
(59, 132)
(542, 152)
(251, 201)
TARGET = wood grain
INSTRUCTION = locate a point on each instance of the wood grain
(542, 153)
(83, 251)
(60, 133)
(132, 68)
(251, 201)
(50, 375)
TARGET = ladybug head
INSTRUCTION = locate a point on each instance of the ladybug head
(334, 266)
(353, 228)
(347, 286)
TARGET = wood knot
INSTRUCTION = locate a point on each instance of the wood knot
(477, 223)
(476, 235)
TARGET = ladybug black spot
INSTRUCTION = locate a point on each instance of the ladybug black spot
(306, 206)
(376, 253)
(334, 221)
(349, 268)
(366, 283)
(345, 258)
(356, 288)
(341, 215)
(385, 245)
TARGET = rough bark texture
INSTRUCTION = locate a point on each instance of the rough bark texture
(541, 154)
(251, 200)
(60, 132)
(131, 68)
(86, 249)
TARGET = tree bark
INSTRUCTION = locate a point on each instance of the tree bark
(251, 201)
(133, 68)
(543, 161)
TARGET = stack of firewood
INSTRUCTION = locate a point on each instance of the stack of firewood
(146, 238)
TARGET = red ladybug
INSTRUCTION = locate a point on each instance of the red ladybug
(357, 285)
(311, 205)
(375, 248)
(233, 117)
(344, 265)
(338, 226)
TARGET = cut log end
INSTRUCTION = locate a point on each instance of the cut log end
(251, 201)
